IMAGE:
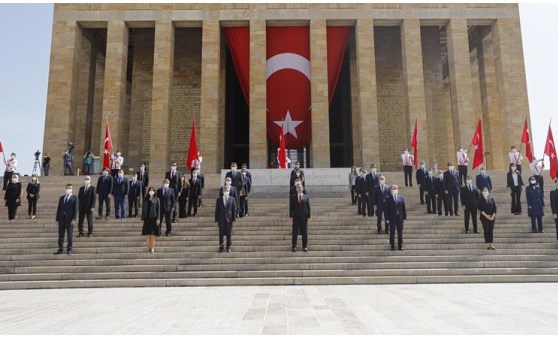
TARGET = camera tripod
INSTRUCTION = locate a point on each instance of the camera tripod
(36, 167)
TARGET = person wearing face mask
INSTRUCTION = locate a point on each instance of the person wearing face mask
(487, 209)
(370, 182)
(299, 212)
(297, 168)
(537, 166)
(420, 174)
(12, 197)
(361, 192)
(33, 190)
(86, 198)
(228, 184)
(440, 188)
(120, 191)
(515, 182)
(396, 214)
(116, 164)
(297, 174)
(462, 162)
(143, 177)
(202, 184)
(535, 204)
(469, 201)
(408, 161)
(167, 205)
(104, 193)
(151, 219)
(483, 180)
(245, 191)
(428, 183)
(352, 181)
(195, 192)
(451, 189)
(68, 160)
(292, 190)
(66, 214)
(381, 193)
(554, 204)
(11, 165)
(225, 215)
(237, 182)
(515, 158)
(175, 182)
(134, 194)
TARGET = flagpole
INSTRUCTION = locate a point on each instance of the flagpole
(470, 144)
(544, 151)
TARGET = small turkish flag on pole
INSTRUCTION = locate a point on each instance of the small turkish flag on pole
(526, 138)
(414, 144)
(2, 151)
(108, 147)
(550, 151)
(193, 149)
(282, 156)
(479, 148)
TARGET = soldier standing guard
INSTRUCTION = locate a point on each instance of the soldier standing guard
(462, 162)
(407, 167)
(515, 158)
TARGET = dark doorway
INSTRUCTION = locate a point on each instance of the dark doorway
(237, 118)
(340, 118)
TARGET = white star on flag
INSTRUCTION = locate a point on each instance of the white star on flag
(289, 124)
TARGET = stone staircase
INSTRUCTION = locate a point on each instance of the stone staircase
(344, 248)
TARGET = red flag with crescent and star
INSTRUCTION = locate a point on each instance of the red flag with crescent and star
(479, 148)
(550, 151)
(2, 151)
(526, 138)
(282, 156)
(414, 144)
(193, 148)
(108, 147)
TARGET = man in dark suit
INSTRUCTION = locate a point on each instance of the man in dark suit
(194, 191)
(168, 203)
(297, 169)
(429, 191)
(225, 215)
(554, 204)
(104, 193)
(134, 195)
(232, 189)
(483, 180)
(396, 214)
(360, 188)
(299, 212)
(175, 182)
(66, 214)
(469, 200)
(143, 176)
(120, 191)
(370, 182)
(247, 189)
(381, 193)
(441, 199)
(420, 175)
(86, 198)
(451, 189)
(202, 183)
(237, 182)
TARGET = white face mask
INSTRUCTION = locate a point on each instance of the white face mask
(441, 176)
(68, 191)
(373, 170)
(173, 167)
(228, 183)
(151, 193)
(430, 173)
(13, 157)
(422, 166)
(483, 172)
(382, 182)
(451, 167)
(14, 180)
(233, 168)
(166, 185)
(514, 150)
(226, 193)
(406, 152)
(533, 181)
(105, 173)
(86, 182)
(134, 178)
(297, 166)
(460, 149)
(297, 174)
(395, 192)
(513, 168)
(469, 181)
(485, 194)
(118, 154)
(120, 175)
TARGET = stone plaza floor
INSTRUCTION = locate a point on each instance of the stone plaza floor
(337, 309)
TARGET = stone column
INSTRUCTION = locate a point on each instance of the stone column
(320, 150)
(62, 91)
(208, 135)
(258, 82)
(366, 113)
(114, 95)
(461, 89)
(511, 82)
(163, 63)
(411, 45)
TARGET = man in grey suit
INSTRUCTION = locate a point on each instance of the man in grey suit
(66, 214)
(299, 212)
(225, 215)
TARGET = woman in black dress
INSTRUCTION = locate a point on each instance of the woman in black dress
(13, 197)
(183, 198)
(33, 189)
(487, 208)
(150, 219)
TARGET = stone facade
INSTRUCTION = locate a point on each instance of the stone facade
(151, 69)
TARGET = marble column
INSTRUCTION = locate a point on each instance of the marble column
(258, 81)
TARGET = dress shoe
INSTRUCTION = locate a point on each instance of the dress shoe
(80, 235)
(148, 250)
(392, 248)
(456, 214)
(33, 217)
(59, 252)
(541, 232)
(293, 249)
(69, 252)
(168, 234)
(305, 249)
(173, 221)
(99, 217)
(89, 235)
(467, 231)
(229, 250)
(153, 251)
(106, 218)
(534, 231)
(476, 232)
(379, 231)
(492, 248)
(221, 249)
(401, 249)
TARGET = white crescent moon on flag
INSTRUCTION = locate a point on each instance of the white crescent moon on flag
(287, 61)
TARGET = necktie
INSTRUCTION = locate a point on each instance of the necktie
(165, 192)
(299, 199)
(66, 199)
(172, 174)
(86, 188)
(226, 201)
(470, 188)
